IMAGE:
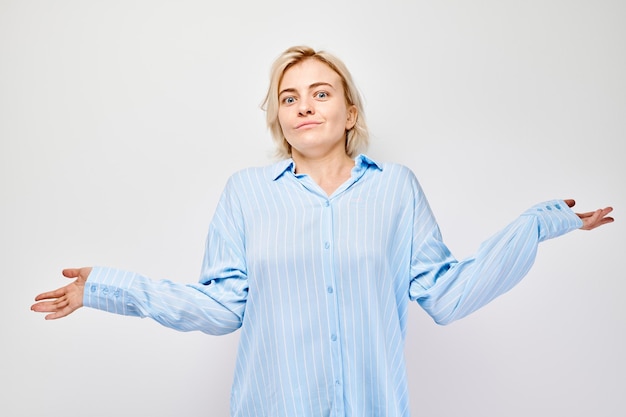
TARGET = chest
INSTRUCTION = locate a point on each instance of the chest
(293, 229)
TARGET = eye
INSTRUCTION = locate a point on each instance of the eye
(321, 94)
(289, 100)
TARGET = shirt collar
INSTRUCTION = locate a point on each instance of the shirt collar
(361, 162)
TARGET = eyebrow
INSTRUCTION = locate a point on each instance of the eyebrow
(314, 85)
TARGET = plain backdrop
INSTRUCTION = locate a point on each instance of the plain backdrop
(120, 122)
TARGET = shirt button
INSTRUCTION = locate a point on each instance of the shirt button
(93, 288)
(330, 290)
(327, 245)
(326, 204)
(333, 337)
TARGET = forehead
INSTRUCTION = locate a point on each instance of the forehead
(308, 72)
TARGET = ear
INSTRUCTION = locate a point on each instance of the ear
(353, 113)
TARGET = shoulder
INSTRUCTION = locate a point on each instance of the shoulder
(256, 177)
(396, 169)
(399, 173)
(401, 178)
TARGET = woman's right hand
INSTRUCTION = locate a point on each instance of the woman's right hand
(65, 300)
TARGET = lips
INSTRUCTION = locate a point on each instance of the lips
(307, 124)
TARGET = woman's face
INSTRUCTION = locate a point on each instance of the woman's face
(313, 112)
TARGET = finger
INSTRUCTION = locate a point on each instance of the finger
(59, 314)
(587, 214)
(50, 306)
(603, 211)
(570, 203)
(71, 272)
(58, 293)
(607, 210)
(606, 220)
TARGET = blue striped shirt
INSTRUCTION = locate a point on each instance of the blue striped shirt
(320, 285)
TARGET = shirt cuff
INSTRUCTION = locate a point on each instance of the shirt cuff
(105, 289)
(554, 218)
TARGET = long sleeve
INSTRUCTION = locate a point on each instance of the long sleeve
(215, 305)
(449, 290)
(183, 307)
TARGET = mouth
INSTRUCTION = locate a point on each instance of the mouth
(306, 124)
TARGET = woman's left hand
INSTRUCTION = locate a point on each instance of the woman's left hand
(592, 219)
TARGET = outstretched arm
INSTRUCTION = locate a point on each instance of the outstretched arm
(65, 300)
(449, 290)
(214, 306)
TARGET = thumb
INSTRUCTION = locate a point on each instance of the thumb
(71, 272)
(570, 203)
(77, 273)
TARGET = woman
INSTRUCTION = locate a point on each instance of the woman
(316, 258)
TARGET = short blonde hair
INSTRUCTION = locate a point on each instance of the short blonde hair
(357, 138)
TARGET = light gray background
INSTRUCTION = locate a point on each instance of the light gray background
(121, 120)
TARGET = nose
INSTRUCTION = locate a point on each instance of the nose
(306, 107)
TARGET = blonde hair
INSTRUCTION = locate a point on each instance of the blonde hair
(357, 138)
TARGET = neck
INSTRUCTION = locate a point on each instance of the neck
(328, 171)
